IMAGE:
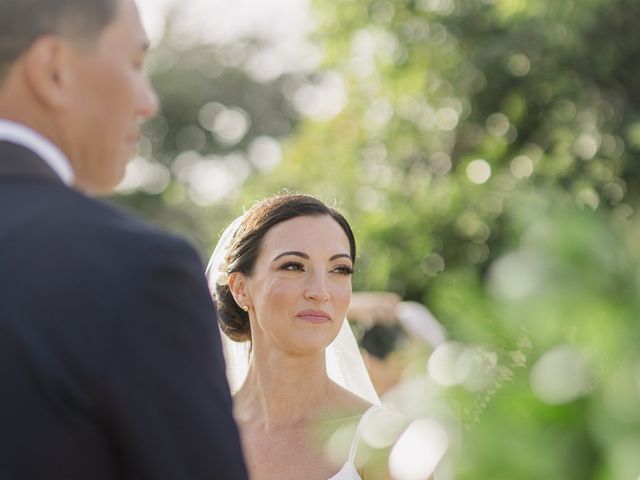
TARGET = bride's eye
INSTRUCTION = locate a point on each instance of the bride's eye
(292, 267)
(343, 270)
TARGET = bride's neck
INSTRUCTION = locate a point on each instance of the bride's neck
(281, 389)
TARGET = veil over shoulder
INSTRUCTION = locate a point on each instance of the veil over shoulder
(344, 362)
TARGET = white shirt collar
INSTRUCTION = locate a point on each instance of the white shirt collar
(27, 137)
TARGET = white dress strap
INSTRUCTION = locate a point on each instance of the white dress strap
(356, 437)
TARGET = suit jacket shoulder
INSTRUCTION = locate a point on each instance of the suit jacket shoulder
(110, 331)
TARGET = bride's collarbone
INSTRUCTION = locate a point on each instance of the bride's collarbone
(277, 441)
(294, 449)
(284, 454)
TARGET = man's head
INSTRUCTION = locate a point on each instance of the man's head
(24, 21)
(72, 70)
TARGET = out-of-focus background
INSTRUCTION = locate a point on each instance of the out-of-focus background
(486, 153)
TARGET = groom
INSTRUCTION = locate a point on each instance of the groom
(110, 357)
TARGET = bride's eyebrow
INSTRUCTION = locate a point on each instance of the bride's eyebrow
(305, 256)
(340, 255)
(296, 253)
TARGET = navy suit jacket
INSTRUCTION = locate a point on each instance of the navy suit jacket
(110, 356)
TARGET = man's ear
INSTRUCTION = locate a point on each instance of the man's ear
(239, 290)
(48, 70)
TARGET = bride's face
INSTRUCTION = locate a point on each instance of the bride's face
(300, 287)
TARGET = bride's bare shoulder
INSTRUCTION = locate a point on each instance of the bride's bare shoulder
(342, 399)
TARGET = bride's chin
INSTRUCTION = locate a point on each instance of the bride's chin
(309, 344)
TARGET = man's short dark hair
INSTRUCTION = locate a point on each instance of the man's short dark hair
(24, 21)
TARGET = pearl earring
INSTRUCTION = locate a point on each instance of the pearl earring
(245, 308)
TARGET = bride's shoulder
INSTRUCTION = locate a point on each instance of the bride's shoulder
(344, 400)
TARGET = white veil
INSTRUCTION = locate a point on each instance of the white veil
(345, 365)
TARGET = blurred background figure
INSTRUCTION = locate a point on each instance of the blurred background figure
(389, 332)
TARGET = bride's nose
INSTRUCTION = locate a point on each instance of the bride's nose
(316, 288)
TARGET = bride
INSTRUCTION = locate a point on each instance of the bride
(281, 279)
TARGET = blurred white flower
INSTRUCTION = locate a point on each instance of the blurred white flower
(560, 376)
(418, 451)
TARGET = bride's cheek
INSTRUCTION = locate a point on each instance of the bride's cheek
(342, 296)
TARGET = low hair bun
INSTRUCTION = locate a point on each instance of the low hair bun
(233, 320)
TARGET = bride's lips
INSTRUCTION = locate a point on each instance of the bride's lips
(314, 316)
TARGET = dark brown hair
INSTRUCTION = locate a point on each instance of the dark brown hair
(245, 247)
(24, 21)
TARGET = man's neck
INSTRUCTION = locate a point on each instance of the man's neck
(25, 136)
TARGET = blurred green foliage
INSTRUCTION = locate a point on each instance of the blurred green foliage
(486, 153)
(571, 283)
